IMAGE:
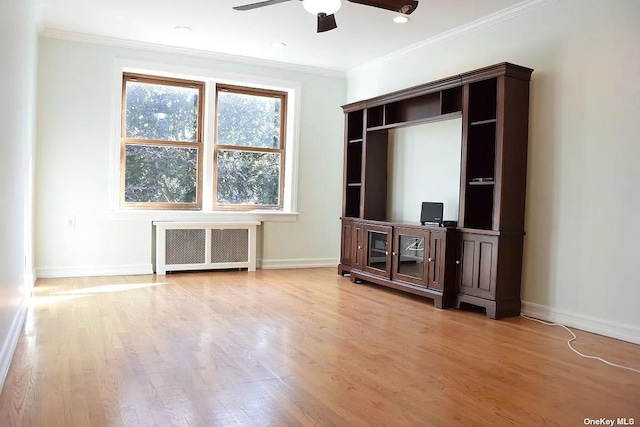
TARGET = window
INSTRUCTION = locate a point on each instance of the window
(163, 146)
(161, 143)
(249, 148)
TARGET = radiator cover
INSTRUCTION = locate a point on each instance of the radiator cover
(180, 246)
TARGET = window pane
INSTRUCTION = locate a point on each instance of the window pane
(160, 174)
(246, 178)
(248, 120)
(165, 113)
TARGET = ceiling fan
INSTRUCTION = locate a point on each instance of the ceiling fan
(325, 9)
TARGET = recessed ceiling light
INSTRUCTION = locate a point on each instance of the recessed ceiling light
(401, 19)
(278, 45)
(182, 29)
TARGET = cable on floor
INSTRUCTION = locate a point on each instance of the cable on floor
(576, 351)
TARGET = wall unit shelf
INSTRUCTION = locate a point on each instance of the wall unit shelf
(430, 119)
(487, 246)
(483, 122)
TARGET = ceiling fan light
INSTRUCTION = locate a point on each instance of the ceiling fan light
(315, 7)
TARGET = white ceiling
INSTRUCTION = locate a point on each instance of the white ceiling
(363, 34)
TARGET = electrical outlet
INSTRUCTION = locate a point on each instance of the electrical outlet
(71, 222)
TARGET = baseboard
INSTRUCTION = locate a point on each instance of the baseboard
(30, 279)
(100, 270)
(142, 269)
(282, 264)
(10, 343)
(615, 330)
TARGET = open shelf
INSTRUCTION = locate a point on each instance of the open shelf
(354, 162)
(375, 116)
(483, 122)
(482, 100)
(481, 155)
(352, 202)
(418, 121)
(355, 125)
(479, 204)
(412, 109)
(481, 151)
(451, 100)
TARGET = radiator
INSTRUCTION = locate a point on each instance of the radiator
(180, 246)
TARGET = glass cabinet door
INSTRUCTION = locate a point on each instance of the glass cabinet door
(377, 250)
(377, 256)
(410, 255)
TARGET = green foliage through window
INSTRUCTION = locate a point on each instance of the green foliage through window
(249, 147)
(248, 120)
(161, 112)
(248, 178)
(160, 174)
(162, 146)
(161, 142)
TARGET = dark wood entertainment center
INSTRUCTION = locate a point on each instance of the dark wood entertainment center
(480, 261)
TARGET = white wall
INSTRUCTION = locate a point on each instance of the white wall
(75, 105)
(18, 45)
(424, 166)
(583, 197)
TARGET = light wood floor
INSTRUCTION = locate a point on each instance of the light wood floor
(299, 347)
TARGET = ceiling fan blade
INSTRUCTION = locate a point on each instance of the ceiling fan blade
(401, 6)
(326, 22)
(259, 4)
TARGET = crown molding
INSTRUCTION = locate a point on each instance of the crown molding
(473, 26)
(160, 48)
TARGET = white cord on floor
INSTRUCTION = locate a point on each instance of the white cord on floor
(576, 351)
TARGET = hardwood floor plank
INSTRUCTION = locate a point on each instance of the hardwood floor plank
(295, 348)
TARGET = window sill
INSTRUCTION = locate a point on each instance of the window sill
(151, 215)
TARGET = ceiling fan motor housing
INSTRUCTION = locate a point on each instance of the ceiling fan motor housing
(316, 7)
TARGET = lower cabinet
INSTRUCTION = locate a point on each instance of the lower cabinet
(451, 266)
(477, 265)
(481, 280)
(346, 246)
(415, 259)
(351, 246)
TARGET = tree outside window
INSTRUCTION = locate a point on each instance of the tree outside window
(249, 148)
(161, 144)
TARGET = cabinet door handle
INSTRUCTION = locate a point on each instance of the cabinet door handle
(458, 261)
(359, 247)
(393, 253)
(386, 252)
(430, 260)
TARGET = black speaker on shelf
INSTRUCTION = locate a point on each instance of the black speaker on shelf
(431, 213)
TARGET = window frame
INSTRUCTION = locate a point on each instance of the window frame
(244, 90)
(198, 144)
